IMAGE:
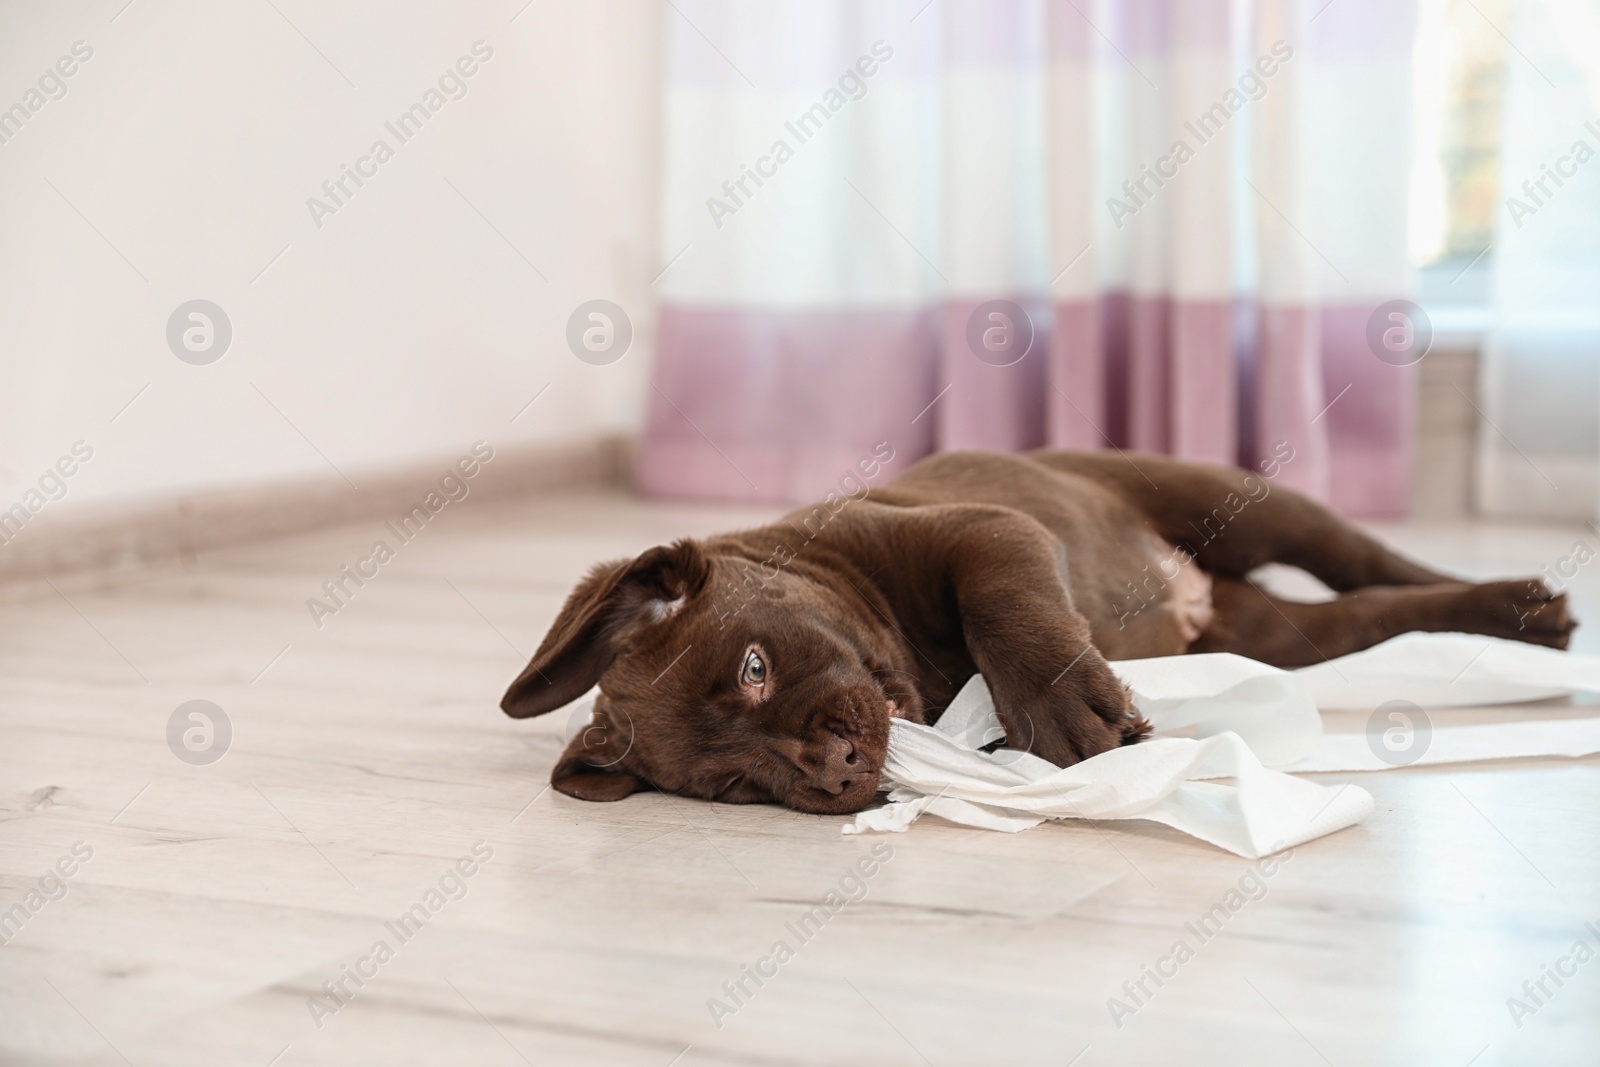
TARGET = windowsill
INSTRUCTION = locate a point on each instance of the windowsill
(1456, 293)
(1460, 326)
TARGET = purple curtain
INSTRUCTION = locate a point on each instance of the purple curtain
(1143, 224)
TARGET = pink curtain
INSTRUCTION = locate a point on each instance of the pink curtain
(1142, 224)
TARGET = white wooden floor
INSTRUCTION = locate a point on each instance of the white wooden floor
(369, 756)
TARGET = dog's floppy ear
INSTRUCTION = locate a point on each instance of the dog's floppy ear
(588, 768)
(607, 610)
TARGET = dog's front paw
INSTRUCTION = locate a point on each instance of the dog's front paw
(1105, 717)
(1085, 711)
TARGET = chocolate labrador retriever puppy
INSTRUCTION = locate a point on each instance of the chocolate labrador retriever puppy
(766, 665)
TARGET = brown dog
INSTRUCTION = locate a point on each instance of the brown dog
(766, 665)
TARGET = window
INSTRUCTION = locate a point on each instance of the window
(1461, 56)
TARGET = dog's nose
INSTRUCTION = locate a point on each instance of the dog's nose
(841, 766)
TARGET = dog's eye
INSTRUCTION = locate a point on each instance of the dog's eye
(755, 670)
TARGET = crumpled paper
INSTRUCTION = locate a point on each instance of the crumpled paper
(1242, 719)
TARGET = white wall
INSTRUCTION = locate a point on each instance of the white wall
(404, 327)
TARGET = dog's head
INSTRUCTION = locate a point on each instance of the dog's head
(721, 678)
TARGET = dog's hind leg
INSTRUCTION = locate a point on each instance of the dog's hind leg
(1286, 633)
(1234, 521)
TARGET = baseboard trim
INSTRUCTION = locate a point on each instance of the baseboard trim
(179, 526)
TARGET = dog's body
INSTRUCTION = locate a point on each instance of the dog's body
(765, 665)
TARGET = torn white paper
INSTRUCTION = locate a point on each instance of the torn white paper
(939, 770)
(1162, 780)
(1461, 744)
(1243, 717)
(1450, 671)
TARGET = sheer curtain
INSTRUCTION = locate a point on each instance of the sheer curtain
(1184, 213)
(1539, 454)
